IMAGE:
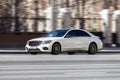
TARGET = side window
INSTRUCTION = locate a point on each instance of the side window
(82, 34)
(71, 34)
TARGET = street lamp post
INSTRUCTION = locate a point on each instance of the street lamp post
(78, 11)
(83, 20)
(36, 16)
(52, 11)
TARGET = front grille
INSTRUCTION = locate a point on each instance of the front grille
(34, 43)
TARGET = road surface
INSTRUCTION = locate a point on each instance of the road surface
(102, 66)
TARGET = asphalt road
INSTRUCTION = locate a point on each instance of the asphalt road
(102, 66)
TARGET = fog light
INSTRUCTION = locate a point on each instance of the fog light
(45, 48)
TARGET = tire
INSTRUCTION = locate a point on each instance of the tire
(33, 53)
(56, 49)
(70, 53)
(92, 49)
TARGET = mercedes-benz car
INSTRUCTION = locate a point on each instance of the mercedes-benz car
(68, 40)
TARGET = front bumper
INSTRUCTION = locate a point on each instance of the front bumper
(40, 48)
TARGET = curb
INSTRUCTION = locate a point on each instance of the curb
(13, 51)
(109, 51)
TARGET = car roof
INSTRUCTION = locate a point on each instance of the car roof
(72, 29)
(77, 29)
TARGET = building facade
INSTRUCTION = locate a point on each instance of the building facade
(30, 16)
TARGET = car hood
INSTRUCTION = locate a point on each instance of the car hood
(46, 38)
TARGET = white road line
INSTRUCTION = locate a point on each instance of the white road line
(108, 71)
(95, 65)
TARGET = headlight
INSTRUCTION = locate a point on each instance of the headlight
(46, 42)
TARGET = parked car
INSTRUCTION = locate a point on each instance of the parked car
(69, 40)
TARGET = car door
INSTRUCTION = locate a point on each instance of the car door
(84, 39)
(70, 42)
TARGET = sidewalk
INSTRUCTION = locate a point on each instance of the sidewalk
(22, 50)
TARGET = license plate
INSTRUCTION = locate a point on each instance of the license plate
(33, 48)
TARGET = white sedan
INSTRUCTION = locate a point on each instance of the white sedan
(69, 40)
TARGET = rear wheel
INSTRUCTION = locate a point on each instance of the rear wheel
(33, 53)
(92, 49)
(56, 49)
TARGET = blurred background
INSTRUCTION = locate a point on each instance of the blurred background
(21, 20)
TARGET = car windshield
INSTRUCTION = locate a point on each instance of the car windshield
(56, 33)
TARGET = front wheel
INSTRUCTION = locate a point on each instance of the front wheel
(56, 49)
(92, 49)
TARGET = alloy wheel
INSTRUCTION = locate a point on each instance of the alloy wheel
(56, 49)
(92, 48)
